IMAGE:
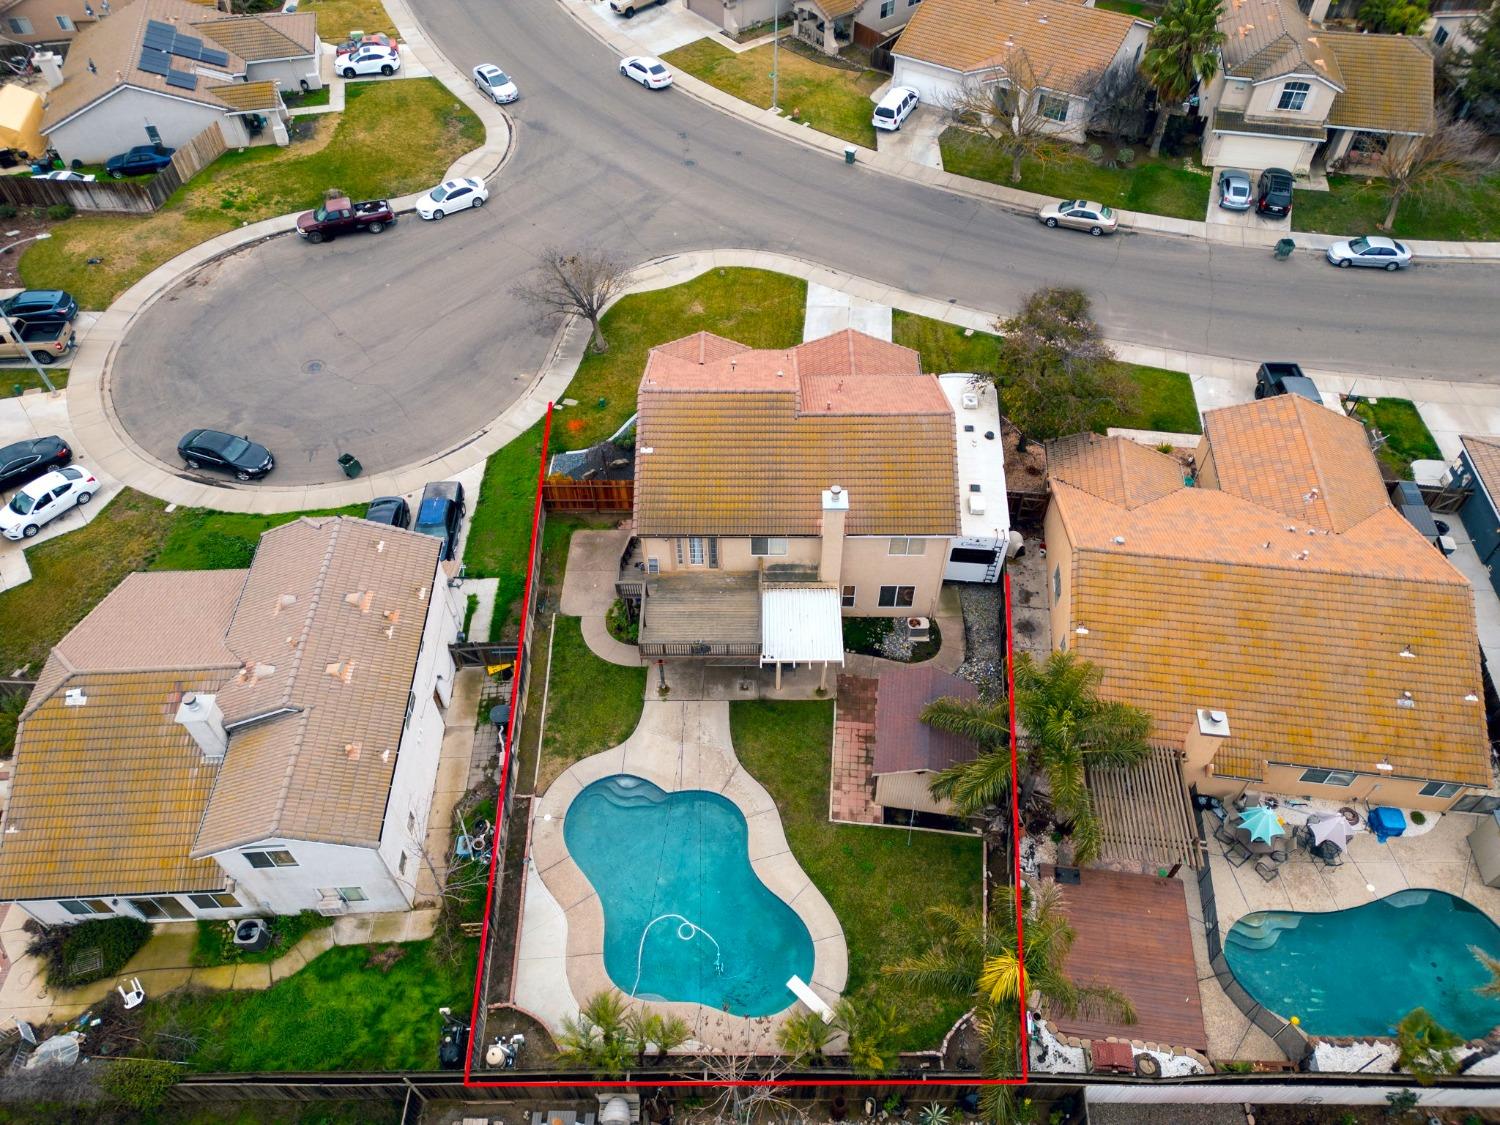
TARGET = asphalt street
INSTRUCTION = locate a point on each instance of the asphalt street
(400, 346)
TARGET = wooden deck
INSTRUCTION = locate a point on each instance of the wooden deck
(1133, 935)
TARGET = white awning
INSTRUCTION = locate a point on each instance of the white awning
(801, 625)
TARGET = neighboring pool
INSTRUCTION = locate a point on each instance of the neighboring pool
(1358, 971)
(685, 916)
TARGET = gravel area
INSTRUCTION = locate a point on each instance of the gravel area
(1107, 1113)
(984, 636)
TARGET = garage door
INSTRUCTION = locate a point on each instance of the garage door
(711, 10)
(1262, 152)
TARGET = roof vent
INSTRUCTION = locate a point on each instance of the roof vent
(1310, 496)
(970, 400)
(1213, 722)
(286, 601)
(1118, 540)
(253, 671)
(292, 642)
(1407, 652)
(1301, 555)
(342, 670)
(380, 546)
(1082, 630)
(1471, 698)
(392, 615)
(976, 504)
(1405, 700)
(351, 751)
(361, 600)
(421, 593)
(74, 697)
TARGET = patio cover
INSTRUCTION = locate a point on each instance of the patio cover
(801, 625)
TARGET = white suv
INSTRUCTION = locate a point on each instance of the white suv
(46, 498)
(895, 107)
(372, 59)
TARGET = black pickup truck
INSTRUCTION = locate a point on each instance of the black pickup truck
(1284, 379)
(338, 216)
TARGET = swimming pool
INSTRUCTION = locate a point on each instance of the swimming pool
(685, 916)
(1358, 971)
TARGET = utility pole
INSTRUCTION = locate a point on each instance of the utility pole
(776, 56)
(11, 328)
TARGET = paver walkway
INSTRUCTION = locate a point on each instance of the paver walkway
(589, 590)
(851, 792)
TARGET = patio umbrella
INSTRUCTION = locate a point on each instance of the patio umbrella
(1333, 830)
(1262, 823)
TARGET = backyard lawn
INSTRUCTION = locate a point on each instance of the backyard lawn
(499, 540)
(878, 880)
(203, 539)
(1166, 401)
(829, 98)
(591, 705)
(1157, 185)
(391, 139)
(337, 18)
(1407, 437)
(1354, 205)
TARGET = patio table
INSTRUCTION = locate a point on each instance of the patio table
(1259, 847)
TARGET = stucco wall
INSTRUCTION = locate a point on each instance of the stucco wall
(1059, 573)
(119, 123)
(935, 85)
(1374, 788)
(1264, 97)
(901, 11)
(43, 14)
(868, 565)
(287, 890)
(51, 912)
(288, 72)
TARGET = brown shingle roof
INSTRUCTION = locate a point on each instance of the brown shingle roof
(744, 443)
(1387, 82)
(1122, 472)
(329, 626)
(1063, 42)
(837, 9)
(1484, 455)
(263, 37)
(248, 96)
(902, 740)
(1265, 39)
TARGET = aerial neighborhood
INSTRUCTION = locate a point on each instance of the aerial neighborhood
(749, 561)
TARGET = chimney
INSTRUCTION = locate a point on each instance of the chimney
(1207, 735)
(831, 556)
(205, 722)
(50, 64)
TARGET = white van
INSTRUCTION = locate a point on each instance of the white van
(895, 107)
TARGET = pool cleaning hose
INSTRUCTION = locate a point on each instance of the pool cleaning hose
(686, 931)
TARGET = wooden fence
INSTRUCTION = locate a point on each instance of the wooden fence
(135, 196)
(562, 494)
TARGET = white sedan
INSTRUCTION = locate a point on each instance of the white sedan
(648, 70)
(46, 498)
(495, 84)
(1370, 250)
(76, 177)
(452, 195)
(372, 58)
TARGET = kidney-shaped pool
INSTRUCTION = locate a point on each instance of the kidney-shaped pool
(1358, 971)
(685, 916)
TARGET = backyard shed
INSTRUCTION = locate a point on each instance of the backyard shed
(908, 752)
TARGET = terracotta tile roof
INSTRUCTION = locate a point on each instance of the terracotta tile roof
(1063, 42)
(1122, 472)
(745, 444)
(902, 740)
(107, 795)
(261, 38)
(248, 96)
(329, 626)
(837, 9)
(1235, 121)
(1295, 457)
(1484, 455)
(1265, 39)
(1387, 82)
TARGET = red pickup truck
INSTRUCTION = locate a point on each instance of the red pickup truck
(338, 216)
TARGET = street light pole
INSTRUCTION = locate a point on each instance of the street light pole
(11, 328)
(775, 54)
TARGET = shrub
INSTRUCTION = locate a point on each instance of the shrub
(11, 706)
(1095, 153)
(7, 210)
(1418, 817)
(1125, 155)
(59, 948)
(141, 1084)
(60, 211)
(621, 628)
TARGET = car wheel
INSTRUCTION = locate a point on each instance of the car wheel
(1052, 223)
(438, 213)
(1096, 231)
(1344, 263)
(629, 13)
(30, 531)
(387, 70)
(315, 237)
(376, 228)
(1260, 392)
(43, 358)
(1392, 267)
(117, 175)
(241, 474)
(84, 498)
(348, 72)
(478, 202)
(190, 463)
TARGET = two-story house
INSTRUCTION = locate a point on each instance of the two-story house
(779, 490)
(210, 744)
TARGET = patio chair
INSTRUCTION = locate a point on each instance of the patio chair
(135, 997)
(1224, 834)
(1267, 870)
(1237, 854)
(1279, 855)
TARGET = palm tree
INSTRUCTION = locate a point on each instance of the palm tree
(598, 1037)
(872, 1027)
(1425, 1047)
(803, 1036)
(1491, 987)
(1182, 50)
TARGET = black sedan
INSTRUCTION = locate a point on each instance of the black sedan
(27, 460)
(441, 514)
(41, 306)
(210, 449)
(389, 509)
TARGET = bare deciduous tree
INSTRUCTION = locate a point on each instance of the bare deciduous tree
(1008, 113)
(1118, 95)
(743, 1059)
(576, 284)
(1453, 153)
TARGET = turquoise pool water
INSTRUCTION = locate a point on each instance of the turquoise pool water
(1358, 971)
(685, 916)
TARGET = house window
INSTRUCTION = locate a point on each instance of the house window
(401, 864)
(273, 857)
(653, 566)
(411, 823)
(160, 907)
(86, 906)
(846, 597)
(65, 23)
(1440, 36)
(217, 901)
(411, 705)
(887, 8)
(761, 545)
(352, 894)
(912, 3)
(20, 25)
(891, 596)
(908, 547)
(1328, 777)
(1438, 789)
(1056, 582)
(1293, 96)
(695, 551)
(1054, 107)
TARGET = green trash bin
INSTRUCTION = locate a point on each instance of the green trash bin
(1284, 249)
(352, 468)
(849, 151)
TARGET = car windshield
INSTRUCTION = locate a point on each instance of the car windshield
(438, 194)
(1106, 213)
(497, 78)
(21, 503)
(1359, 245)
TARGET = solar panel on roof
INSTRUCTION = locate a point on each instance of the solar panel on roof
(187, 46)
(182, 79)
(213, 57)
(154, 62)
(159, 33)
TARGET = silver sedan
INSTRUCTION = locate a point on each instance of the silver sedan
(1370, 250)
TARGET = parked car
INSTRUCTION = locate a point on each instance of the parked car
(495, 83)
(339, 216)
(375, 58)
(440, 513)
(378, 39)
(65, 174)
(44, 499)
(213, 449)
(894, 108)
(1273, 193)
(1080, 214)
(139, 161)
(41, 306)
(648, 70)
(628, 8)
(46, 342)
(389, 509)
(1284, 379)
(1370, 250)
(1234, 190)
(26, 460)
(452, 195)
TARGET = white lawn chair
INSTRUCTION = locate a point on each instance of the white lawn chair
(135, 997)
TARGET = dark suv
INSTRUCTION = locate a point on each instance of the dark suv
(441, 514)
(1273, 194)
(41, 306)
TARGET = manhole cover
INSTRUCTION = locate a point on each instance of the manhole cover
(312, 367)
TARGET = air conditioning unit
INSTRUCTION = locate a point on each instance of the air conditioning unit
(919, 629)
(971, 400)
(976, 503)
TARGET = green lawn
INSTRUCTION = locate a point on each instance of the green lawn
(26, 379)
(1160, 186)
(1355, 205)
(1166, 402)
(214, 944)
(878, 880)
(829, 98)
(1129, 7)
(391, 139)
(591, 705)
(338, 1013)
(499, 540)
(337, 18)
(203, 539)
(1407, 437)
(297, 99)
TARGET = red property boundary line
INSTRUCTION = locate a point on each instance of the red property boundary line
(495, 859)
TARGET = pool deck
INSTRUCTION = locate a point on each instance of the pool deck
(677, 745)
